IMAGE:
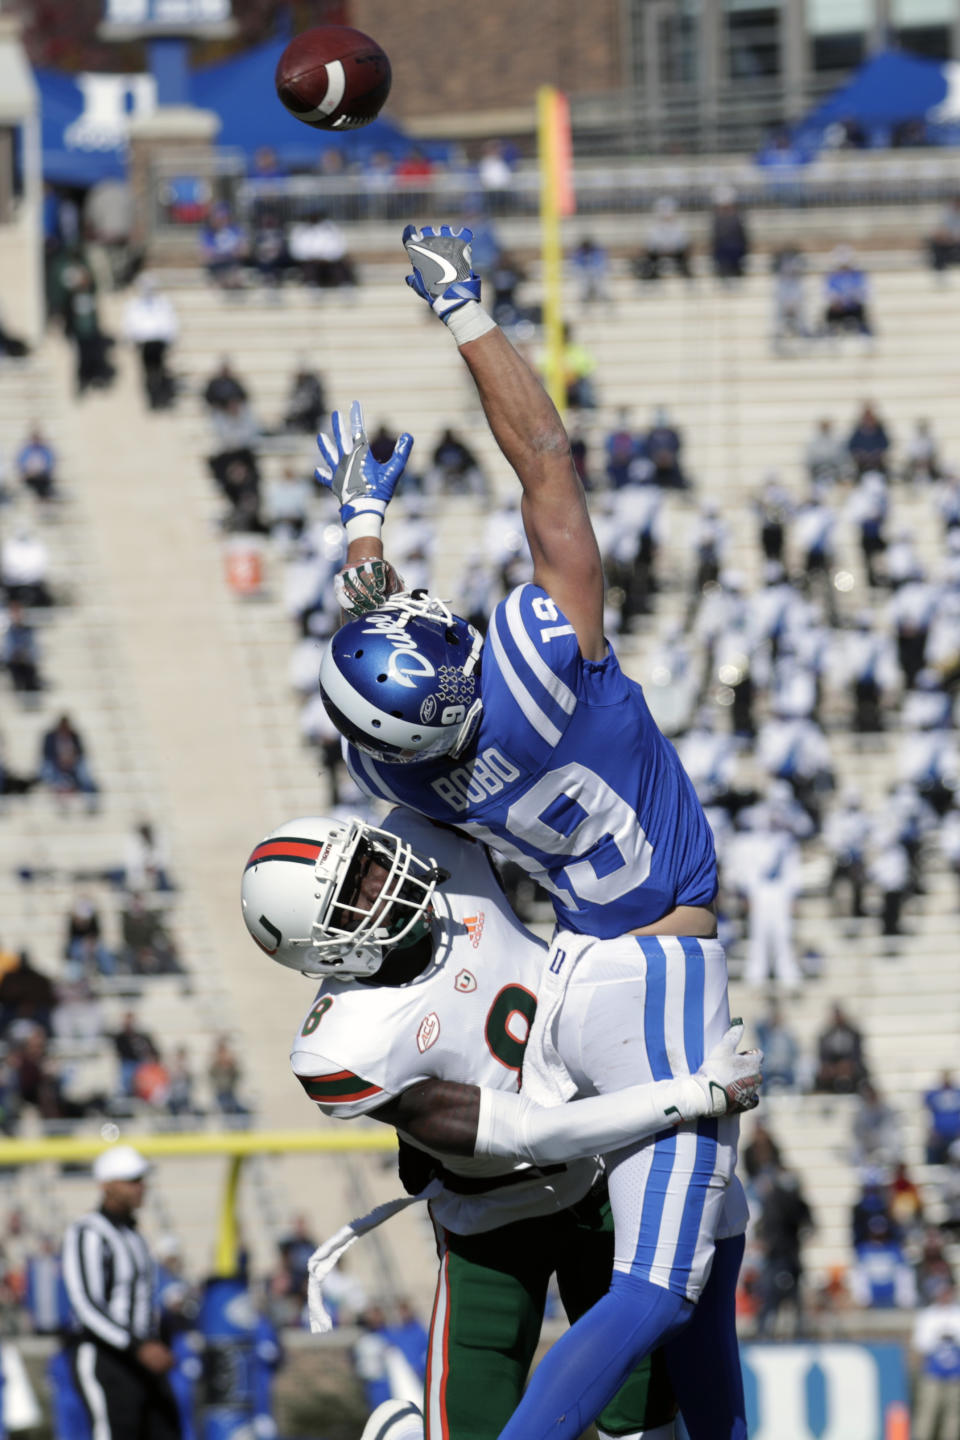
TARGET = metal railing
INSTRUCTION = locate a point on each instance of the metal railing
(837, 179)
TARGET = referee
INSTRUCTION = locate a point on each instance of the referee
(119, 1364)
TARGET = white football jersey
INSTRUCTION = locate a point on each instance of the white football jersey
(466, 1018)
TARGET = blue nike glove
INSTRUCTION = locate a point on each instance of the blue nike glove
(363, 487)
(442, 267)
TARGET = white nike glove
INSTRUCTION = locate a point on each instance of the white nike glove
(731, 1080)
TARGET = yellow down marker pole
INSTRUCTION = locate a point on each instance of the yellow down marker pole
(553, 152)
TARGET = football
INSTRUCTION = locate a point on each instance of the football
(333, 78)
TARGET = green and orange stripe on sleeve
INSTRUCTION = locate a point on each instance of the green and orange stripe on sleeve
(339, 1088)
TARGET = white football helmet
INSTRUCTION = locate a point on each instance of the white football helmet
(300, 891)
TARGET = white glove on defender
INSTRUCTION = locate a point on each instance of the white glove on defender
(512, 1127)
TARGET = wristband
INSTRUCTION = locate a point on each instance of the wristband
(469, 322)
(367, 525)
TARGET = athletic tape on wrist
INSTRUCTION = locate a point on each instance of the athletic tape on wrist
(470, 322)
(367, 525)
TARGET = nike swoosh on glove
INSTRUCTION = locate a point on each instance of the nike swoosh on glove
(443, 272)
(732, 1080)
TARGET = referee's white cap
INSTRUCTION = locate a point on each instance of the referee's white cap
(120, 1162)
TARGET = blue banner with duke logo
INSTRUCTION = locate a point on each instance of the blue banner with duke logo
(839, 1391)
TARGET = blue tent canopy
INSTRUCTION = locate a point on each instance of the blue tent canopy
(891, 89)
(84, 137)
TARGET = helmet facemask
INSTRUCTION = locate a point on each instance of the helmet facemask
(356, 922)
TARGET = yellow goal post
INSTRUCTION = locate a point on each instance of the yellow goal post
(235, 1145)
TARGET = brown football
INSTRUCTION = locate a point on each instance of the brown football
(333, 78)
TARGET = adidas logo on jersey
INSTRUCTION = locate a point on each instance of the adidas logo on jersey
(465, 982)
(429, 1031)
(474, 924)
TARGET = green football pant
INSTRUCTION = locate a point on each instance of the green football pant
(488, 1310)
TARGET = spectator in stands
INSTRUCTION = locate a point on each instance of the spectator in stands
(307, 400)
(845, 836)
(881, 1277)
(906, 1204)
(496, 174)
(936, 1342)
(773, 510)
(38, 1080)
(762, 1158)
(785, 1220)
(83, 923)
(662, 446)
(27, 997)
(729, 239)
(454, 469)
(666, 244)
(767, 867)
(579, 366)
(37, 464)
(505, 278)
(622, 447)
(147, 947)
(789, 297)
(63, 762)
(268, 249)
(949, 1192)
(224, 1075)
(780, 1050)
(150, 323)
(20, 653)
(319, 248)
(921, 459)
(224, 387)
(233, 462)
(24, 569)
(10, 782)
(888, 870)
(949, 835)
(591, 266)
(146, 865)
(846, 294)
(408, 1333)
(933, 1269)
(296, 1248)
(287, 503)
(876, 1129)
(867, 508)
(825, 456)
(180, 1099)
(795, 749)
(709, 541)
(151, 1082)
(911, 613)
(869, 442)
(82, 326)
(814, 531)
(841, 1068)
(224, 249)
(942, 1104)
(132, 1046)
(943, 246)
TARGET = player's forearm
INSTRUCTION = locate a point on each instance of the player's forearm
(365, 547)
(520, 413)
(514, 1127)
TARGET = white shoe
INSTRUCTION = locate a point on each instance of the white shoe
(394, 1420)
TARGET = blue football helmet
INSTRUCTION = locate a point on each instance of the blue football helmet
(403, 682)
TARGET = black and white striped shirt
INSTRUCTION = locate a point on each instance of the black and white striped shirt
(109, 1278)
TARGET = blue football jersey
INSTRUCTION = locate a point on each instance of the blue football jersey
(567, 775)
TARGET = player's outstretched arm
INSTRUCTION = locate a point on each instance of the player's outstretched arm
(526, 426)
(468, 1120)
